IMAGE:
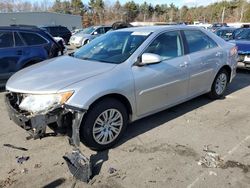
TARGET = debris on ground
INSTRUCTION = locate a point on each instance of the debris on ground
(11, 171)
(24, 171)
(15, 147)
(37, 166)
(7, 183)
(211, 159)
(152, 181)
(111, 170)
(212, 173)
(132, 149)
(79, 165)
(21, 159)
(228, 112)
(235, 164)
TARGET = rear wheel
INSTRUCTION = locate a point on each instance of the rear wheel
(219, 85)
(104, 124)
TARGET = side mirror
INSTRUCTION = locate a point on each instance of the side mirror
(95, 33)
(149, 58)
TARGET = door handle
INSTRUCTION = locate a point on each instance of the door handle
(19, 52)
(183, 65)
(218, 54)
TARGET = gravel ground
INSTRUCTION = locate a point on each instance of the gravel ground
(162, 150)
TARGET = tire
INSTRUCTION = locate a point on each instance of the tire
(215, 92)
(94, 120)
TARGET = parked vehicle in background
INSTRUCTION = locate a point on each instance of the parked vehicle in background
(88, 34)
(75, 31)
(62, 43)
(22, 46)
(121, 77)
(120, 25)
(59, 31)
(237, 32)
(242, 41)
(217, 26)
(226, 33)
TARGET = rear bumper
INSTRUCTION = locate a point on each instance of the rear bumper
(244, 61)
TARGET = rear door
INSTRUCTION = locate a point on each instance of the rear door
(205, 55)
(9, 54)
(166, 83)
(37, 47)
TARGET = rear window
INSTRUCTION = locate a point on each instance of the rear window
(33, 38)
(198, 41)
(18, 40)
(6, 39)
(107, 29)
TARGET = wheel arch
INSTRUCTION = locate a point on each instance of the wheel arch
(31, 62)
(228, 69)
(124, 100)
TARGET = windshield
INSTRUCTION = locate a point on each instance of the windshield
(244, 35)
(113, 47)
(88, 30)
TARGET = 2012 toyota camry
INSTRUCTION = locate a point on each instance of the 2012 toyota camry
(118, 78)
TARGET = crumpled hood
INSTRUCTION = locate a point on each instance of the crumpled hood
(243, 46)
(55, 74)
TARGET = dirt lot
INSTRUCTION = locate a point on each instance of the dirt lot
(158, 151)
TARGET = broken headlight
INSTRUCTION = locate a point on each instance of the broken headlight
(41, 103)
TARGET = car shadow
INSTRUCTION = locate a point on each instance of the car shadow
(97, 161)
(141, 126)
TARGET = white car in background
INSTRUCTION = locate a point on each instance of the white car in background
(86, 35)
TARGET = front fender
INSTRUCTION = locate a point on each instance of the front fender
(88, 91)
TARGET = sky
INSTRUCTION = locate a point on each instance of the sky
(178, 3)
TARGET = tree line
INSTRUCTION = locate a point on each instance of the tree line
(104, 12)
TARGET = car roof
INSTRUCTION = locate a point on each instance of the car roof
(45, 26)
(22, 28)
(158, 28)
(227, 28)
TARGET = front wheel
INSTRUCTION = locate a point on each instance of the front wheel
(104, 124)
(219, 85)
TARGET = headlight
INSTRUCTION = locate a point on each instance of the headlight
(44, 102)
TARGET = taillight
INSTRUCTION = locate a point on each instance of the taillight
(234, 51)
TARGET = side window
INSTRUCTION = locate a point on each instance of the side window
(32, 38)
(198, 41)
(6, 39)
(107, 29)
(167, 45)
(100, 30)
(18, 40)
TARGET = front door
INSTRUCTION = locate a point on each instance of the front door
(166, 83)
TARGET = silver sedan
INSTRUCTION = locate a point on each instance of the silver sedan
(118, 78)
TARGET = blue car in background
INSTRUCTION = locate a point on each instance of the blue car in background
(242, 41)
(225, 32)
(22, 46)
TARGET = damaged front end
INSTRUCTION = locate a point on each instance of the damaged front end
(34, 112)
